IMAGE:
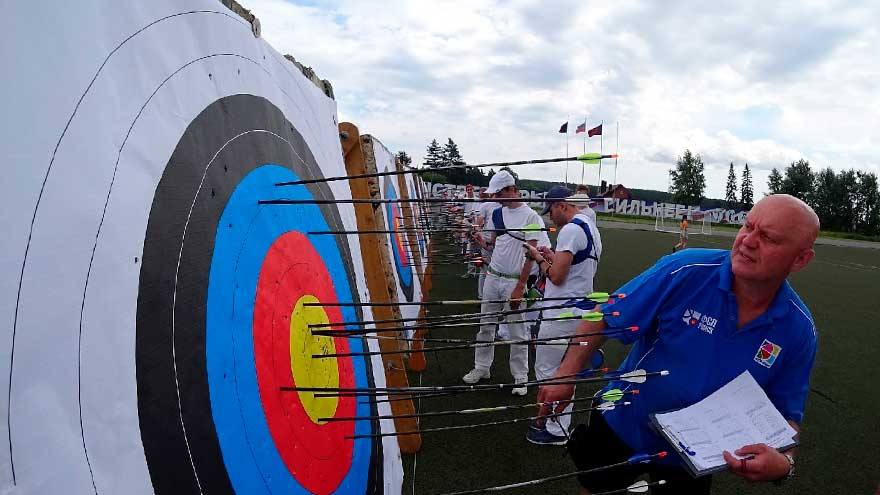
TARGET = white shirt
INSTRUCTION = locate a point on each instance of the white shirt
(484, 211)
(509, 255)
(586, 210)
(579, 281)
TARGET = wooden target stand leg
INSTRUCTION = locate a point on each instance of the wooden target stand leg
(417, 361)
(380, 277)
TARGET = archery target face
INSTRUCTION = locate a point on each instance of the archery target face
(224, 325)
(155, 308)
(397, 241)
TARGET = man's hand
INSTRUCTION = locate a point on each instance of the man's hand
(546, 252)
(767, 463)
(532, 252)
(516, 295)
(560, 394)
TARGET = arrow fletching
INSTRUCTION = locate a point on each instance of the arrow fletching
(613, 395)
(635, 376)
(638, 487)
(598, 297)
(590, 158)
(596, 316)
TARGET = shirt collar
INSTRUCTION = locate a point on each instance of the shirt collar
(780, 305)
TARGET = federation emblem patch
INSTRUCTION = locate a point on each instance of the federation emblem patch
(691, 316)
(767, 353)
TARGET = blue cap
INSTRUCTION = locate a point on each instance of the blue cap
(556, 193)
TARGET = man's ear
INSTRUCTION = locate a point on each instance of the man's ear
(803, 259)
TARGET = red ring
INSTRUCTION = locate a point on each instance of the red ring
(318, 456)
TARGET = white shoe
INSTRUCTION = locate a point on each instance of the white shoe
(475, 375)
(520, 390)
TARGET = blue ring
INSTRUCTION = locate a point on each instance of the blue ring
(245, 233)
(404, 273)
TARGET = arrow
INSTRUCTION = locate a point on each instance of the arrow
(636, 376)
(462, 316)
(479, 410)
(597, 297)
(392, 201)
(449, 326)
(587, 158)
(480, 425)
(636, 459)
(474, 344)
(607, 396)
(541, 341)
(405, 230)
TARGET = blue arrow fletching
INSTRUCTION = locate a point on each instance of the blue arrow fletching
(640, 459)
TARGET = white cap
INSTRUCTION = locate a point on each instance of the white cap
(499, 181)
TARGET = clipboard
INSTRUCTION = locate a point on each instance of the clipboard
(758, 420)
(686, 453)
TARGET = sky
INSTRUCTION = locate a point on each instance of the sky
(741, 82)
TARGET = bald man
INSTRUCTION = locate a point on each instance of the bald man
(705, 315)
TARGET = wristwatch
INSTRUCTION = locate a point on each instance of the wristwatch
(790, 474)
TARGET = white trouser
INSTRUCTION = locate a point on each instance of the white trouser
(547, 361)
(481, 281)
(496, 287)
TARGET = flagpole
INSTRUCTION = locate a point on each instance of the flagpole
(600, 152)
(566, 146)
(584, 165)
(616, 150)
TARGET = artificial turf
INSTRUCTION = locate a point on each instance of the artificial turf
(841, 430)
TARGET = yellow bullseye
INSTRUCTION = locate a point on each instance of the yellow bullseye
(307, 371)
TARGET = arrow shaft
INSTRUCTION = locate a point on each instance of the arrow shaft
(423, 170)
(468, 427)
(468, 345)
(462, 388)
(480, 410)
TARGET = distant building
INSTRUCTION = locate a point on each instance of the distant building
(616, 191)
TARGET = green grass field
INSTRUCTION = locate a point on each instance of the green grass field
(841, 430)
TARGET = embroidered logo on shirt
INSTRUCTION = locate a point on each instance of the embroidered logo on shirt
(691, 317)
(706, 323)
(767, 353)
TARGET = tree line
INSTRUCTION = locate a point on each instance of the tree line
(845, 201)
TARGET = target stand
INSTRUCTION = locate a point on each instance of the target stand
(380, 275)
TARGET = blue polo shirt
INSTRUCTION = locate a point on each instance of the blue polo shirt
(686, 312)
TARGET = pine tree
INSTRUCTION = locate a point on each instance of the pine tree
(774, 182)
(730, 195)
(747, 193)
(688, 179)
(434, 157)
(404, 159)
(451, 155)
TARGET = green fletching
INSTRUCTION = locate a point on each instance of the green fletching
(598, 297)
(612, 395)
(567, 314)
(590, 158)
(532, 297)
(593, 316)
(531, 226)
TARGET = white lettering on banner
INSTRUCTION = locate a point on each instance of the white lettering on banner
(629, 207)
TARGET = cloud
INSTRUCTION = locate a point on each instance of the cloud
(749, 82)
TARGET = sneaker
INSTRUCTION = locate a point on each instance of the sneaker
(519, 390)
(475, 375)
(544, 437)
